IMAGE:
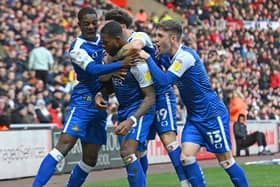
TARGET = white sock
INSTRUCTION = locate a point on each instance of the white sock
(185, 183)
(261, 148)
(56, 154)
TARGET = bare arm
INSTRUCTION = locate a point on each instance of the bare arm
(149, 99)
(147, 103)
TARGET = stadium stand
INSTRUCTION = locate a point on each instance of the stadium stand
(238, 41)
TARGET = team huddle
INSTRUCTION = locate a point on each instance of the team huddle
(114, 59)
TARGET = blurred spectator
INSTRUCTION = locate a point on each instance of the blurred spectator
(141, 16)
(245, 140)
(237, 105)
(19, 114)
(42, 112)
(55, 113)
(41, 60)
(4, 114)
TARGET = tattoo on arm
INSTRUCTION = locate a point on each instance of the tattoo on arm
(147, 103)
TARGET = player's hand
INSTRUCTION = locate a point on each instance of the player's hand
(121, 73)
(100, 103)
(123, 128)
(130, 60)
(143, 54)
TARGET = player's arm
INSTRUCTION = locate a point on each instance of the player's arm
(107, 90)
(149, 100)
(138, 41)
(180, 65)
(81, 58)
(142, 75)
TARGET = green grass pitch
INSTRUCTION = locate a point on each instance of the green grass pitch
(258, 176)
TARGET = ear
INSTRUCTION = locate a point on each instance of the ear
(124, 27)
(173, 38)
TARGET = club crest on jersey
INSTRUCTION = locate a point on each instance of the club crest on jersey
(76, 128)
(177, 65)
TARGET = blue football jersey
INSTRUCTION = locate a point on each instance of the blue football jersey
(128, 90)
(88, 84)
(201, 101)
(149, 48)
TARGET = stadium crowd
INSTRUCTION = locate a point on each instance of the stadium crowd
(241, 62)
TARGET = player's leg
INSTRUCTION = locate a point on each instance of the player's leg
(96, 135)
(141, 154)
(130, 142)
(191, 143)
(48, 165)
(219, 143)
(142, 148)
(66, 141)
(174, 151)
(236, 173)
(166, 127)
(85, 166)
(135, 173)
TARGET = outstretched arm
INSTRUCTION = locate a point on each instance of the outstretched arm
(162, 78)
(81, 58)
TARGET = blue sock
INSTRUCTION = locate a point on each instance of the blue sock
(46, 170)
(144, 163)
(77, 177)
(237, 175)
(175, 159)
(135, 174)
(194, 174)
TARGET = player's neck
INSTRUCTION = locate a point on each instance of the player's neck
(175, 48)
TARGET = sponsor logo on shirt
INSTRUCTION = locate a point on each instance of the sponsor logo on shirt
(177, 65)
(147, 76)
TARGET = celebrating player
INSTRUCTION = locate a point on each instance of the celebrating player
(207, 122)
(84, 120)
(165, 121)
(135, 94)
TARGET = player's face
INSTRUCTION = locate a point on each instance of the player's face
(163, 41)
(88, 26)
(110, 44)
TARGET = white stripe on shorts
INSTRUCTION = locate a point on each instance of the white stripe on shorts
(139, 127)
(69, 119)
(169, 108)
(223, 132)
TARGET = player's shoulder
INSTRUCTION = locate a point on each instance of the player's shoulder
(185, 54)
(139, 35)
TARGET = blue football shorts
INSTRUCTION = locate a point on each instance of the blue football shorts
(165, 119)
(86, 123)
(141, 130)
(214, 134)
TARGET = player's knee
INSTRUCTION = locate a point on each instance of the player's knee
(227, 163)
(125, 151)
(187, 160)
(141, 154)
(90, 160)
(86, 167)
(65, 143)
(172, 146)
(129, 159)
